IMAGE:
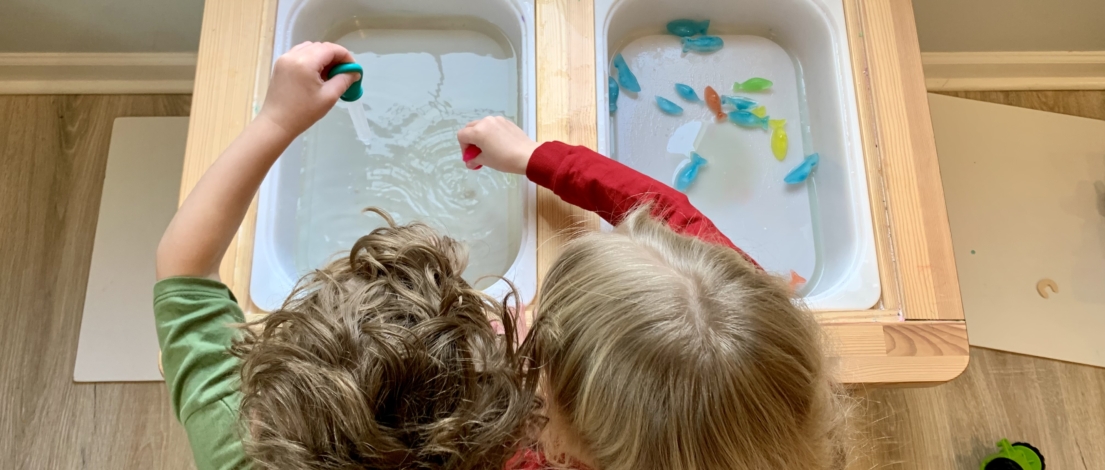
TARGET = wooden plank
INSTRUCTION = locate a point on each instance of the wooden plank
(243, 259)
(565, 112)
(226, 71)
(919, 233)
(926, 339)
(900, 370)
(876, 189)
(855, 340)
(905, 352)
(878, 315)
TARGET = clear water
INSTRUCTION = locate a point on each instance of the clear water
(741, 187)
(421, 87)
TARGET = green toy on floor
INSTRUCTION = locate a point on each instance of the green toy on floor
(1016, 456)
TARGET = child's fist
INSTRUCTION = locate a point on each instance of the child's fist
(505, 147)
(299, 94)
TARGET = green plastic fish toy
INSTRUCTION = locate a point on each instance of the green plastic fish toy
(753, 84)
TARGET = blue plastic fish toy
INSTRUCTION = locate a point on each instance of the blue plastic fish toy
(705, 44)
(687, 27)
(613, 87)
(739, 102)
(745, 118)
(801, 172)
(689, 172)
(668, 107)
(686, 92)
(625, 76)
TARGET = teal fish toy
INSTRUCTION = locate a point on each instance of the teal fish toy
(669, 108)
(745, 118)
(802, 172)
(625, 76)
(685, 27)
(739, 102)
(689, 172)
(704, 44)
(686, 93)
(612, 86)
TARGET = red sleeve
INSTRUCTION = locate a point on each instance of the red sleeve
(584, 178)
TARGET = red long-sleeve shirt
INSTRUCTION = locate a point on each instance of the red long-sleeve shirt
(584, 178)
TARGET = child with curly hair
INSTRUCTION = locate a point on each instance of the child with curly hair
(384, 359)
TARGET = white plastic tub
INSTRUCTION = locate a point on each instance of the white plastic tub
(822, 229)
(431, 66)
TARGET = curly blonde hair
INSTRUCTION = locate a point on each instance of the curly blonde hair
(658, 350)
(386, 359)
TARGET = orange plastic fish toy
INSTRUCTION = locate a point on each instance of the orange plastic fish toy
(796, 280)
(713, 101)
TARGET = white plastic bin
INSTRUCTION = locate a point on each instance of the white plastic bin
(430, 67)
(821, 229)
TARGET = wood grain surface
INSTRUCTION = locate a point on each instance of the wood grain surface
(227, 66)
(898, 119)
(565, 112)
(53, 155)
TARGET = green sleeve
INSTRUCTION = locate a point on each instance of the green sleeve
(195, 318)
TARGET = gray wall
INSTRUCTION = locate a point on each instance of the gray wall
(1010, 25)
(100, 25)
(174, 25)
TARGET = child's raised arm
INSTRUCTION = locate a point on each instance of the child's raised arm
(298, 96)
(586, 179)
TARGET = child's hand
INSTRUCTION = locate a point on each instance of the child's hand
(505, 147)
(298, 94)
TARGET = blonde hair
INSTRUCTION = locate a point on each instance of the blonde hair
(659, 350)
(385, 359)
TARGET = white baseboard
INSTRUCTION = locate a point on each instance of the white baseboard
(96, 73)
(1048, 70)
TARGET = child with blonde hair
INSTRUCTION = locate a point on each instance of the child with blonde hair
(662, 345)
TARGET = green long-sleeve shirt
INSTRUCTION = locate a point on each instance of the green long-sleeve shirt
(194, 318)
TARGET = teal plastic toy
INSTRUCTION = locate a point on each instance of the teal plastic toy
(689, 172)
(687, 28)
(667, 107)
(1015, 456)
(705, 44)
(354, 92)
(802, 172)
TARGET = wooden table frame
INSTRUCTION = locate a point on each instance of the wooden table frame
(915, 335)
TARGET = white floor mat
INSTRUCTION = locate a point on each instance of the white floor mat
(118, 342)
(1021, 197)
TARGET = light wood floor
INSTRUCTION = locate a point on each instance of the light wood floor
(53, 151)
(53, 154)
